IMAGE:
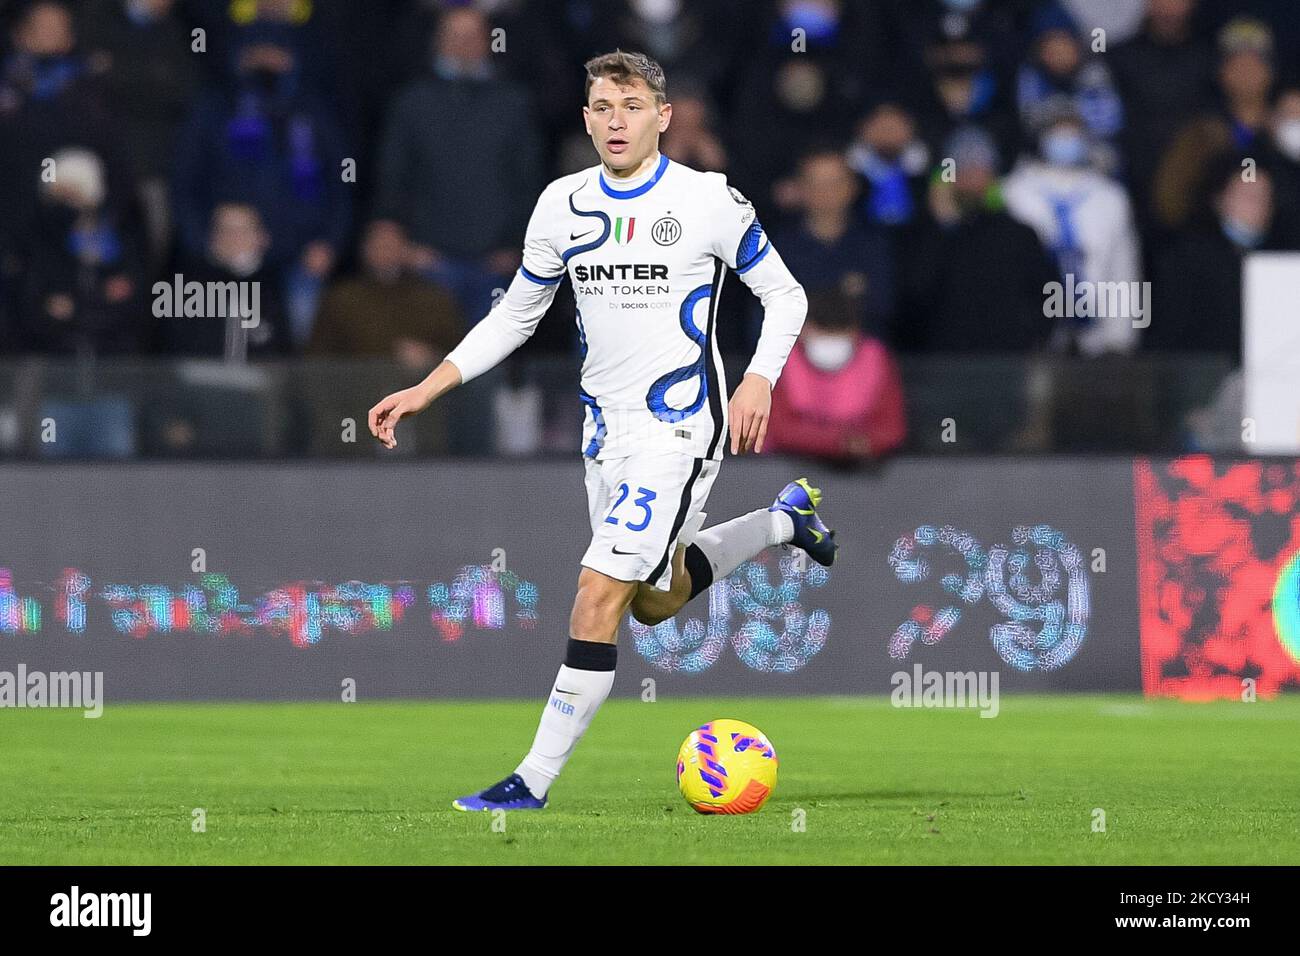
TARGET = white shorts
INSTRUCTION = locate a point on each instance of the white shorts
(642, 507)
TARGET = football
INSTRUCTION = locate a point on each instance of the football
(726, 766)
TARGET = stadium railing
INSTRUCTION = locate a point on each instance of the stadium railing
(316, 408)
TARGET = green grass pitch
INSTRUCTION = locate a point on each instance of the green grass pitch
(371, 783)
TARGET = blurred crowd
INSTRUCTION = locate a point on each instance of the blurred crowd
(926, 168)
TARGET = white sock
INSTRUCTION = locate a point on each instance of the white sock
(565, 719)
(732, 543)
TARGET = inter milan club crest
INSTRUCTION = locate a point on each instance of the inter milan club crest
(624, 227)
(666, 231)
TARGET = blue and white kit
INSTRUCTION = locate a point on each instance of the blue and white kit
(646, 258)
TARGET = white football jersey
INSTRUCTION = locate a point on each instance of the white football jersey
(646, 258)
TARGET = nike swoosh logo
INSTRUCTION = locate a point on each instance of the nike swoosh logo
(616, 551)
(558, 691)
(580, 235)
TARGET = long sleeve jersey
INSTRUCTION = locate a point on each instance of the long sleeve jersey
(646, 259)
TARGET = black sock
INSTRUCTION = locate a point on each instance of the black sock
(590, 655)
(698, 567)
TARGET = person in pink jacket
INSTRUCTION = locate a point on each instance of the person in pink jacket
(841, 395)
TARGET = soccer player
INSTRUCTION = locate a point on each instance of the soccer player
(644, 242)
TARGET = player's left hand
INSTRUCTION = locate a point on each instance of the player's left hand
(751, 404)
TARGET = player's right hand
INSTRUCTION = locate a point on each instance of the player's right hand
(391, 410)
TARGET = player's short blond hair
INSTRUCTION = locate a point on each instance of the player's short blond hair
(623, 67)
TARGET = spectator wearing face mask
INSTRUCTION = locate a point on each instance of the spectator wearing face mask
(1284, 130)
(1197, 277)
(1282, 156)
(975, 278)
(1085, 220)
(237, 252)
(840, 397)
(1062, 73)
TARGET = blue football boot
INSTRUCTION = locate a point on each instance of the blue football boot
(800, 500)
(510, 794)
